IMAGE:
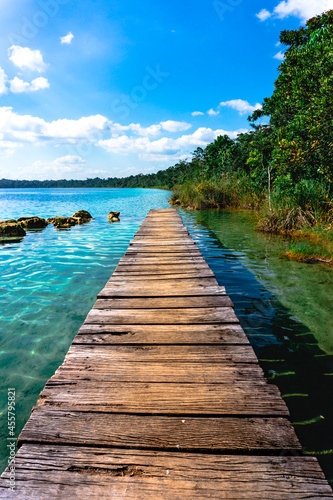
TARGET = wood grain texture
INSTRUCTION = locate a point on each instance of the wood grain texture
(169, 288)
(161, 334)
(44, 472)
(199, 373)
(248, 398)
(164, 353)
(138, 276)
(169, 433)
(164, 303)
(163, 316)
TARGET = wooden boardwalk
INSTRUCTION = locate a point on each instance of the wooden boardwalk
(160, 395)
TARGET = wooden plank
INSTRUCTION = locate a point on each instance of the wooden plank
(167, 288)
(248, 398)
(159, 433)
(203, 273)
(200, 373)
(171, 316)
(162, 232)
(182, 241)
(164, 353)
(158, 249)
(165, 302)
(161, 334)
(161, 260)
(51, 471)
(161, 268)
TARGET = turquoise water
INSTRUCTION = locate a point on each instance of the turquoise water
(50, 279)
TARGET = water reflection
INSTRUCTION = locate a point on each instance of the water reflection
(285, 309)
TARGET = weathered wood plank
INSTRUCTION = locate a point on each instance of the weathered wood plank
(150, 259)
(199, 373)
(165, 267)
(51, 471)
(169, 288)
(163, 433)
(161, 334)
(167, 249)
(170, 316)
(164, 302)
(203, 273)
(248, 398)
(141, 270)
(145, 241)
(163, 353)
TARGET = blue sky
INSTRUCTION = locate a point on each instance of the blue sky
(113, 88)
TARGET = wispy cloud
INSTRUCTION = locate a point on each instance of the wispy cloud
(212, 112)
(279, 56)
(263, 14)
(240, 105)
(3, 81)
(67, 40)
(197, 113)
(25, 58)
(18, 86)
(174, 126)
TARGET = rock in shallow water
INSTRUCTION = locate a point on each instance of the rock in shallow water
(32, 222)
(113, 216)
(10, 229)
(82, 214)
(62, 222)
(79, 217)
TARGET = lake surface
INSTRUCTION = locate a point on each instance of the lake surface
(50, 279)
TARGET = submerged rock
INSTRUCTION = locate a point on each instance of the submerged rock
(32, 222)
(113, 216)
(10, 229)
(63, 222)
(82, 214)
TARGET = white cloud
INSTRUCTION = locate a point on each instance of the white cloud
(279, 56)
(303, 9)
(64, 164)
(263, 15)
(27, 128)
(39, 83)
(152, 130)
(212, 112)
(25, 58)
(67, 40)
(166, 148)
(173, 126)
(197, 113)
(136, 128)
(241, 106)
(3, 81)
(17, 86)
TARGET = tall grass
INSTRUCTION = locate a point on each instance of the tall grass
(305, 206)
(229, 191)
